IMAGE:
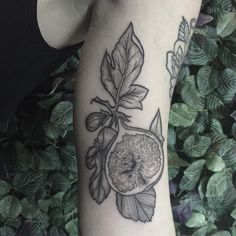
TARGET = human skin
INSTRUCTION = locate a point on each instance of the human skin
(63, 22)
(155, 24)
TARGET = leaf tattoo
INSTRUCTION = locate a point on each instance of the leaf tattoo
(175, 58)
(125, 159)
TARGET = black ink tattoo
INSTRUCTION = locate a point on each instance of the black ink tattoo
(175, 58)
(125, 159)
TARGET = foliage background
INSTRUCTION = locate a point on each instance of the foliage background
(38, 171)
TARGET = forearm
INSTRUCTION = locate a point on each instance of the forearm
(132, 76)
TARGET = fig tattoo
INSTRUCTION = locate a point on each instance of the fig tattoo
(125, 159)
(134, 161)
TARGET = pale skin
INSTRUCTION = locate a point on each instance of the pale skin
(156, 25)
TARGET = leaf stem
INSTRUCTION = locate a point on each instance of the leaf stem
(103, 103)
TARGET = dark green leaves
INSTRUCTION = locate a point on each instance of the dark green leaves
(207, 80)
(202, 49)
(62, 114)
(10, 207)
(181, 115)
(196, 145)
(192, 175)
(139, 207)
(226, 24)
(28, 182)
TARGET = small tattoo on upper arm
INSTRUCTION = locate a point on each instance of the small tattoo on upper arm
(125, 159)
(175, 58)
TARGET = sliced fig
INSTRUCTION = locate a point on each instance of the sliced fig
(135, 160)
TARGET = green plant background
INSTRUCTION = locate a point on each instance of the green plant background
(38, 171)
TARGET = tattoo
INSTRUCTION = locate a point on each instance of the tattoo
(175, 58)
(125, 159)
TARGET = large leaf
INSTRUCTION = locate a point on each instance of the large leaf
(4, 187)
(6, 231)
(197, 220)
(50, 159)
(59, 182)
(192, 175)
(39, 222)
(196, 145)
(207, 79)
(28, 209)
(218, 7)
(202, 49)
(227, 85)
(217, 184)
(227, 55)
(28, 182)
(62, 114)
(138, 207)
(182, 115)
(191, 95)
(69, 159)
(226, 24)
(10, 207)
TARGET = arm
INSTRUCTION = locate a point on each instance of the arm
(121, 115)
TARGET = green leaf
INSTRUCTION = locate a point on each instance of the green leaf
(43, 204)
(182, 115)
(215, 126)
(57, 231)
(202, 49)
(56, 217)
(217, 184)
(24, 157)
(219, 7)
(192, 175)
(207, 79)
(62, 114)
(6, 231)
(72, 227)
(233, 214)
(50, 159)
(227, 55)
(215, 104)
(196, 145)
(28, 209)
(222, 233)
(28, 182)
(205, 230)
(197, 220)
(4, 187)
(215, 163)
(39, 222)
(226, 24)
(171, 137)
(174, 163)
(227, 85)
(70, 199)
(69, 158)
(59, 182)
(10, 207)
(191, 95)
